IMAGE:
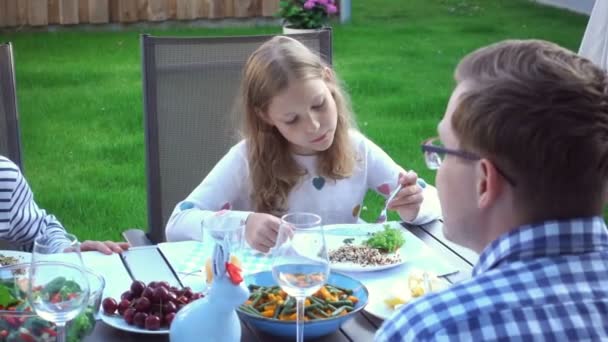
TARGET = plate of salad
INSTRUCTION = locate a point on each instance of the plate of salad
(367, 247)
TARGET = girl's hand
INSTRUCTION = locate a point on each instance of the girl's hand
(261, 231)
(407, 202)
(105, 247)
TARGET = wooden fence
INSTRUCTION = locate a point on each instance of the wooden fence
(69, 12)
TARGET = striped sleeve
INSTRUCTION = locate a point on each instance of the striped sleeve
(21, 220)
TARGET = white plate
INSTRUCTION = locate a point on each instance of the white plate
(336, 234)
(22, 256)
(377, 307)
(119, 323)
(380, 291)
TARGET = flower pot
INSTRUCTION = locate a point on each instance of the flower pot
(291, 30)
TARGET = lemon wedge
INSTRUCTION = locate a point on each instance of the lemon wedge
(417, 283)
(399, 295)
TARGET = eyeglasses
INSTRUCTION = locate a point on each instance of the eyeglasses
(435, 153)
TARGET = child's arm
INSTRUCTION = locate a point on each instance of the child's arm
(383, 176)
(261, 231)
(417, 202)
(26, 220)
(225, 187)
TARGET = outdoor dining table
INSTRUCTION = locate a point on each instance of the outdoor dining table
(161, 263)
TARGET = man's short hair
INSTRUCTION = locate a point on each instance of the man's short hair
(540, 113)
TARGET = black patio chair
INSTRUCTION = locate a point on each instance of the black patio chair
(10, 141)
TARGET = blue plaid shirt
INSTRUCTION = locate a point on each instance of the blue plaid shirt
(547, 281)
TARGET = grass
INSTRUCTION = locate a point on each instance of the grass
(80, 98)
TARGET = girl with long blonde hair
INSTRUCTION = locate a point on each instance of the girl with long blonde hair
(300, 152)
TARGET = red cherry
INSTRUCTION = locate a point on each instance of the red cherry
(152, 322)
(109, 305)
(169, 318)
(129, 315)
(123, 306)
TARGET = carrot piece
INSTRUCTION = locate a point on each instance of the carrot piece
(325, 293)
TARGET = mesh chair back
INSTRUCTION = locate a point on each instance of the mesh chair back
(10, 142)
(190, 89)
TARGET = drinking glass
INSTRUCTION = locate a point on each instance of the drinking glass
(229, 233)
(58, 288)
(299, 260)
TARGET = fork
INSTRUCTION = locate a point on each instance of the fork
(383, 215)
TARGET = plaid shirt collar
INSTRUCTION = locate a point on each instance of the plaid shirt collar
(548, 238)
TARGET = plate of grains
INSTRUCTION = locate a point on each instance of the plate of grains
(366, 247)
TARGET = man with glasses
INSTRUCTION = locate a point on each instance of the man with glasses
(522, 166)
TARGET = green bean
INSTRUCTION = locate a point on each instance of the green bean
(313, 306)
(331, 306)
(347, 291)
(256, 299)
(310, 307)
(267, 304)
(277, 310)
(341, 303)
(345, 307)
(311, 315)
(318, 300)
(289, 302)
(323, 313)
(288, 311)
(250, 310)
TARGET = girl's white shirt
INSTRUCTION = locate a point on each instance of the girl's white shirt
(228, 186)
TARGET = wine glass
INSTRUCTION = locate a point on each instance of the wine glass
(58, 288)
(299, 260)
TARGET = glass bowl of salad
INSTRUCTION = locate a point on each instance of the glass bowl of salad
(18, 322)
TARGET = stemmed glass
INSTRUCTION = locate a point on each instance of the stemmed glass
(58, 288)
(300, 264)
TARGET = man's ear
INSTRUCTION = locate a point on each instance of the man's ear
(489, 184)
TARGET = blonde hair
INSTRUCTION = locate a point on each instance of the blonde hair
(273, 171)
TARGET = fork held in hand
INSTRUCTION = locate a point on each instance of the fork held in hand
(383, 215)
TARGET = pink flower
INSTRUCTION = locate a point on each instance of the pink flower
(309, 4)
(331, 9)
(323, 2)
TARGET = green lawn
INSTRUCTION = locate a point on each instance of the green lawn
(80, 96)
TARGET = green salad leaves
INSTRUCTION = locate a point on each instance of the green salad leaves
(388, 240)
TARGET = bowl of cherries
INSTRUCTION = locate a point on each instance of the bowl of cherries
(147, 308)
